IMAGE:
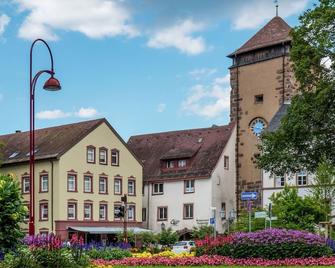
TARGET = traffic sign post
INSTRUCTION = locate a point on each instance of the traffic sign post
(246, 196)
(249, 211)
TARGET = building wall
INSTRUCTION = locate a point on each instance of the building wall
(75, 160)
(267, 77)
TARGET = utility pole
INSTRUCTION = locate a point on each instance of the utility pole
(124, 204)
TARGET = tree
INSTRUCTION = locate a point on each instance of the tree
(294, 211)
(12, 212)
(167, 237)
(324, 186)
(202, 231)
(306, 134)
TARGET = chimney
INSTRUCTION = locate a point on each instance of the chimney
(17, 131)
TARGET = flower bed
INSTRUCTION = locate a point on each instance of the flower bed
(216, 260)
(167, 254)
(266, 244)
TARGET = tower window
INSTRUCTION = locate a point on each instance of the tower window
(259, 98)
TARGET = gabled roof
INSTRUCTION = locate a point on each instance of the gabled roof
(276, 31)
(202, 146)
(276, 119)
(50, 142)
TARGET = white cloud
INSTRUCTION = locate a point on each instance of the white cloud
(180, 36)
(52, 114)
(198, 74)
(161, 107)
(252, 15)
(207, 101)
(93, 18)
(222, 80)
(86, 112)
(4, 20)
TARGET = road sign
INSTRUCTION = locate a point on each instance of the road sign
(212, 221)
(245, 196)
(260, 214)
(272, 218)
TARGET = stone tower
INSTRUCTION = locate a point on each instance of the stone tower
(261, 80)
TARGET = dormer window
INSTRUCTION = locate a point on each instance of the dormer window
(170, 164)
(182, 163)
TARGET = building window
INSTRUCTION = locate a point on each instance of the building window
(44, 233)
(259, 98)
(117, 208)
(188, 211)
(170, 164)
(302, 178)
(117, 186)
(144, 214)
(72, 183)
(26, 216)
(44, 183)
(103, 212)
(158, 188)
(44, 214)
(88, 184)
(162, 213)
(223, 211)
(88, 211)
(226, 162)
(131, 187)
(90, 154)
(181, 163)
(71, 211)
(131, 212)
(103, 185)
(279, 181)
(189, 186)
(25, 185)
(115, 157)
(103, 156)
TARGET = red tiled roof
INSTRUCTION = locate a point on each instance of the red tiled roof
(274, 32)
(50, 142)
(204, 146)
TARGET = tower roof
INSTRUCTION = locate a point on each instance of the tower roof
(276, 31)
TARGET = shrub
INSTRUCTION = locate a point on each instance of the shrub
(108, 253)
(268, 244)
(167, 237)
(202, 231)
(12, 212)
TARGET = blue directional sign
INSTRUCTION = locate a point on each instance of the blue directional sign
(246, 196)
(212, 221)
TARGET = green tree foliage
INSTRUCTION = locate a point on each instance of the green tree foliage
(307, 133)
(167, 237)
(12, 212)
(323, 188)
(294, 211)
(202, 231)
(148, 238)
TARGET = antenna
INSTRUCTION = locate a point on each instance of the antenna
(276, 2)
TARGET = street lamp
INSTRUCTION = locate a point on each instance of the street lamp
(52, 84)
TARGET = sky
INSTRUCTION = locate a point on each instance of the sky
(145, 65)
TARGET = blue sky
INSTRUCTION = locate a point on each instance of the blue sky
(145, 65)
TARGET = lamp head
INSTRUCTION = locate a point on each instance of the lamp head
(52, 84)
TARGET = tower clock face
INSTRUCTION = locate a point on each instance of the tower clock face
(257, 126)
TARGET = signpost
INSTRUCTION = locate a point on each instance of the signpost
(249, 196)
(260, 214)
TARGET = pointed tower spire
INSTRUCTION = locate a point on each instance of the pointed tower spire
(277, 6)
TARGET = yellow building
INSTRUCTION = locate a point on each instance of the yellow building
(81, 172)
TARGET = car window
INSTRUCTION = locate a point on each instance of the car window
(192, 244)
(179, 244)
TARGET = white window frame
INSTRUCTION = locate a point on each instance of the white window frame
(72, 206)
(133, 187)
(90, 184)
(103, 152)
(71, 181)
(44, 208)
(103, 208)
(90, 155)
(300, 176)
(25, 183)
(104, 180)
(188, 186)
(90, 206)
(182, 163)
(188, 208)
(278, 185)
(118, 182)
(131, 212)
(115, 155)
(44, 179)
(164, 213)
(158, 188)
(170, 164)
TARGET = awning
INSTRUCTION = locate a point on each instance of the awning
(107, 230)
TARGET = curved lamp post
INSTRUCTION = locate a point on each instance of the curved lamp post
(52, 84)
